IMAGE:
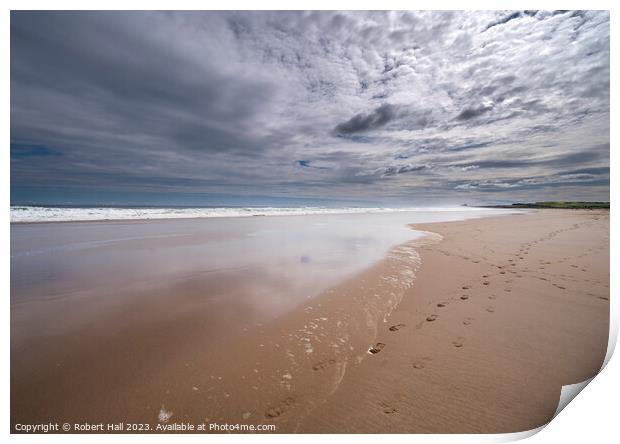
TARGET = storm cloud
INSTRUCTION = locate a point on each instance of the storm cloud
(470, 113)
(364, 122)
(399, 107)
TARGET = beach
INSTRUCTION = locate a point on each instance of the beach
(522, 308)
(468, 326)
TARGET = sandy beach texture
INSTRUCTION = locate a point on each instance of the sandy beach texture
(503, 312)
(472, 329)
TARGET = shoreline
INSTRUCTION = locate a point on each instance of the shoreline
(312, 369)
(339, 212)
(485, 341)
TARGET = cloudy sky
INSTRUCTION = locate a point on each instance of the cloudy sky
(249, 107)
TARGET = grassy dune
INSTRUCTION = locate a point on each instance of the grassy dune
(559, 204)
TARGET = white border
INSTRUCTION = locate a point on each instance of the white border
(589, 418)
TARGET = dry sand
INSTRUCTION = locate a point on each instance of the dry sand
(502, 312)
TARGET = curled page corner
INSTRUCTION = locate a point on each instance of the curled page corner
(518, 436)
(568, 393)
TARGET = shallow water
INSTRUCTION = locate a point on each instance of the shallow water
(112, 303)
(308, 252)
(272, 263)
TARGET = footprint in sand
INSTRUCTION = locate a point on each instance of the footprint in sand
(377, 348)
(485, 275)
(492, 297)
(486, 283)
(323, 364)
(458, 343)
(467, 321)
(491, 309)
(396, 327)
(431, 318)
(274, 412)
(419, 364)
(442, 304)
(465, 287)
(502, 272)
(464, 297)
(388, 409)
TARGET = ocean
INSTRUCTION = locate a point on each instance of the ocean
(65, 213)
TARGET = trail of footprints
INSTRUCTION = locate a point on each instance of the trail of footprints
(509, 268)
(458, 342)
(503, 272)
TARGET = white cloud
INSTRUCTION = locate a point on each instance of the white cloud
(231, 102)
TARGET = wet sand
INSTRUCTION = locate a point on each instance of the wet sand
(503, 312)
(473, 328)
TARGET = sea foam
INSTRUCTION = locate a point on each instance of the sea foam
(21, 214)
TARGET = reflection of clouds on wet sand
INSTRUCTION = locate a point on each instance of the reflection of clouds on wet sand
(137, 300)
